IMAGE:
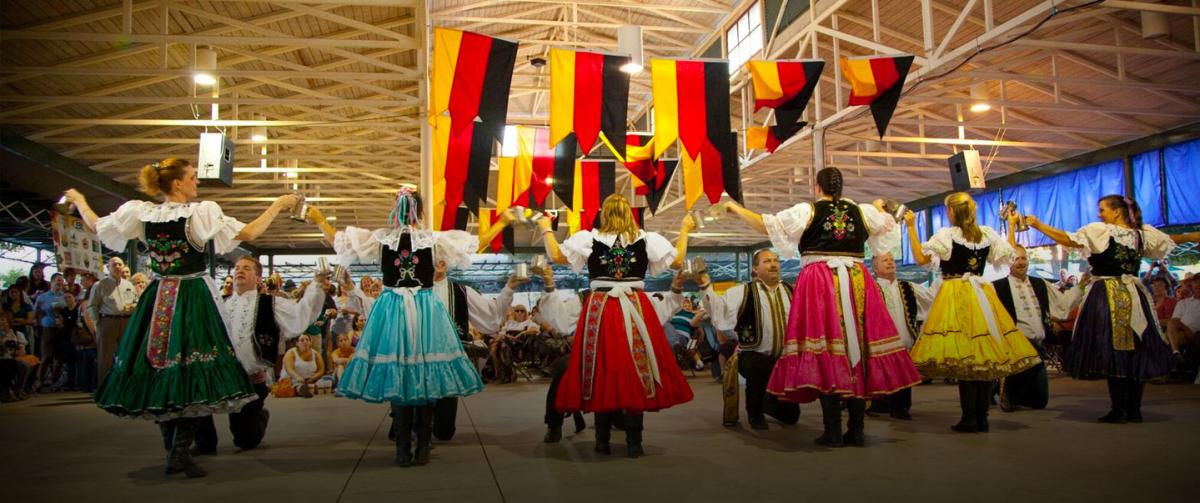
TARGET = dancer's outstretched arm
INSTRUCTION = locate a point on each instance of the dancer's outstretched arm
(681, 245)
(1057, 235)
(910, 221)
(753, 219)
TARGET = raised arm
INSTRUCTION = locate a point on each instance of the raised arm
(1013, 221)
(681, 244)
(485, 239)
(1187, 237)
(753, 219)
(85, 211)
(550, 242)
(259, 225)
(910, 222)
(1057, 235)
(328, 231)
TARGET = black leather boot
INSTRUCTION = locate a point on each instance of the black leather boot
(580, 424)
(855, 436)
(1117, 394)
(180, 458)
(831, 415)
(167, 430)
(983, 400)
(424, 426)
(1133, 400)
(603, 430)
(967, 401)
(633, 436)
(402, 425)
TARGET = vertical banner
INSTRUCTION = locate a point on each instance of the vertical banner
(75, 247)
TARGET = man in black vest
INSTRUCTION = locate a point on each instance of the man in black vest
(258, 324)
(757, 312)
(1032, 303)
(908, 303)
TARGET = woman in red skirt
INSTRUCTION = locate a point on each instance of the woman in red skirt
(621, 361)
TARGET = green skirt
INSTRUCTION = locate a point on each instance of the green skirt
(175, 359)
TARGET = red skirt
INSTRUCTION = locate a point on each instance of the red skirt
(604, 375)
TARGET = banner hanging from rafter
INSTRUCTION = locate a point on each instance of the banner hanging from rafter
(650, 177)
(589, 95)
(786, 87)
(470, 79)
(691, 104)
(877, 81)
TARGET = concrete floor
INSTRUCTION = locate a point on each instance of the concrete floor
(60, 447)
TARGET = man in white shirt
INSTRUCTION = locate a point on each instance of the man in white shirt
(260, 323)
(1032, 303)
(908, 303)
(757, 312)
(1184, 324)
(110, 303)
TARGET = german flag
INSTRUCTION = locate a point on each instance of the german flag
(786, 87)
(459, 169)
(877, 81)
(595, 181)
(535, 161)
(650, 177)
(470, 78)
(691, 103)
(589, 94)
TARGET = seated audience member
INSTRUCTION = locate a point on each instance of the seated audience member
(1184, 324)
(681, 330)
(1184, 290)
(12, 373)
(303, 366)
(140, 282)
(1164, 303)
(507, 346)
(340, 356)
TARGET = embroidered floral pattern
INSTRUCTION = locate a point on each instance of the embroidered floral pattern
(590, 339)
(618, 260)
(165, 251)
(160, 324)
(1129, 258)
(406, 265)
(839, 222)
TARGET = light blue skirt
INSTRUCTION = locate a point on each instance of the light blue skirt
(409, 353)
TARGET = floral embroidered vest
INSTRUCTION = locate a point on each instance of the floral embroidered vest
(170, 251)
(618, 262)
(403, 267)
(837, 228)
(1117, 259)
(964, 260)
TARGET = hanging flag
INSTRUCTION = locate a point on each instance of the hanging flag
(785, 86)
(693, 181)
(589, 94)
(691, 100)
(654, 194)
(565, 167)
(470, 78)
(505, 240)
(877, 81)
(770, 137)
(639, 157)
(536, 159)
(596, 180)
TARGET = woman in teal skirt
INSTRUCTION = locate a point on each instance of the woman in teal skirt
(409, 354)
(175, 363)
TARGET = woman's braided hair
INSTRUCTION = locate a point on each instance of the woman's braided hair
(830, 181)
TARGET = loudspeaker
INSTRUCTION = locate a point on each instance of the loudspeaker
(215, 162)
(965, 170)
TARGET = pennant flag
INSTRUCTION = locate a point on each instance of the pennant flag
(785, 86)
(654, 195)
(693, 182)
(488, 218)
(470, 79)
(565, 167)
(770, 137)
(589, 94)
(691, 100)
(650, 177)
(462, 215)
(536, 159)
(596, 181)
(878, 82)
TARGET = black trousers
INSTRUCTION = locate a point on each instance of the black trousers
(557, 369)
(248, 425)
(1029, 388)
(445, 413)
(756, 368)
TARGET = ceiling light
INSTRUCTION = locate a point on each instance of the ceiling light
(205, 65)
(629, 43)
(293, 169)
(979, 97)
(258, 134)
(1154, 25)
(537, 61)
(509, 145)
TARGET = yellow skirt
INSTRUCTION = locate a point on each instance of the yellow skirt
(955, 341)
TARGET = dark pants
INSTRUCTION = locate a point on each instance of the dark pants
(9, 369)
(756, 368)
(895, 402)
(248, 425)
(445, 413)
(974, 398)
(85, 371)
(553, 416)
(1028, 388)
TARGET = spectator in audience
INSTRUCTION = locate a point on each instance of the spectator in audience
(43, 310)
(681, 329)
(70, 275)
(111, 303)
(140, 282)
(19, 310)
(507, 346)
(340, 356)
(84, 339)
(303, 366)
(227, 286)
(37, 281)
(1184, 324)
(1184, 290)
(1164, 303)
(12, 372)
(58, 352)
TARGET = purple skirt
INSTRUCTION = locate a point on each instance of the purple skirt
(1091, 354)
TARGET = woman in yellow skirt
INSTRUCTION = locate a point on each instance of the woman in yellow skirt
(968, 334)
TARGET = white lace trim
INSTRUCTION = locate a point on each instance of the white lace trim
(421, 238)
(409, 360)
(956, 235)
(1100, 234)
(165, 212)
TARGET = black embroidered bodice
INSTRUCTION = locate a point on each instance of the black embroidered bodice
(170, 251)
(403, 267)
(1117, 259)
(618, 262)
(964, 260)
(837, 228)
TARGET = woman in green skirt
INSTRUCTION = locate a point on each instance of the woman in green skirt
(175, 363)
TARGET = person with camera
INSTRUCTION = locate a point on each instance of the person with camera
(260, 323)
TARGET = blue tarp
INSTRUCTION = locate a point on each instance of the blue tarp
(1148, 186)
(1182, 167)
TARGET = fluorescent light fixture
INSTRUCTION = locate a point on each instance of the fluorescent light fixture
(979, 97)
(509, 147)
(629, 43)
(258, 133)
(205, 65)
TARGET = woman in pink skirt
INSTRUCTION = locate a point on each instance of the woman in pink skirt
(841, 343)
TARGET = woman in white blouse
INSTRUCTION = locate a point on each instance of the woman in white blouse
(1117, 336)
(968, 334)
(841, 344)
(175, 362)
(621, 361)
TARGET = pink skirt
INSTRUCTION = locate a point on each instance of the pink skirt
(815, 360)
